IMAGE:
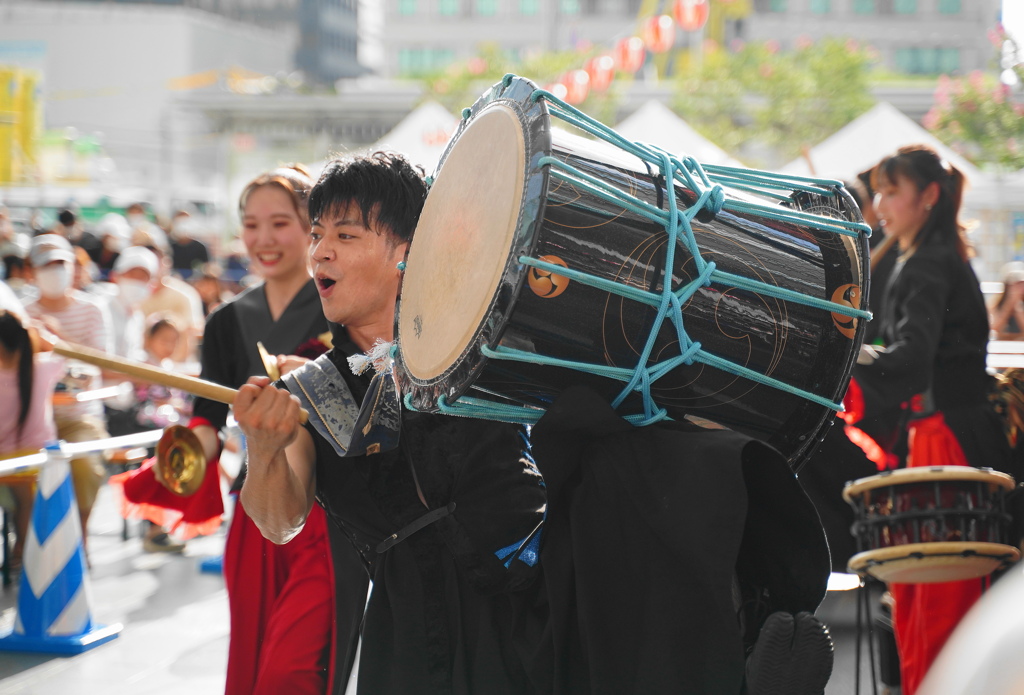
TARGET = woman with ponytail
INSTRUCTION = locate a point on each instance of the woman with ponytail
(934, 327)
(29, 377)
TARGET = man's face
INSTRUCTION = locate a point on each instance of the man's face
(355, 268)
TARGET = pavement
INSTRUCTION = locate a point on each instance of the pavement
(175, 620)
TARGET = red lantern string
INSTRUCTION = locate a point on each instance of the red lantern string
(630, 54)
(558, 90)
(577, 86)
(691, 15)
(659, 33)
(601, 70)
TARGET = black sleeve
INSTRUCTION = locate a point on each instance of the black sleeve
(219, 359)
(919, 298)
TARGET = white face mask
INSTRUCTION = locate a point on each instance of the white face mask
(136, 220)
(133, 292)
(53, 280)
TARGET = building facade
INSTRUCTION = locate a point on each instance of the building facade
(323, 33)
(925, 37)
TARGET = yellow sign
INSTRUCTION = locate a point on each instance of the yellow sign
(20, 120)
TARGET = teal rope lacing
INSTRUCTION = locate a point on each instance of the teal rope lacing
(707, 182)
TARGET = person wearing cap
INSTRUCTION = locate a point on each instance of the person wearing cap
(135, 274)
(1007, 322)
(114, 235)
(75, 317)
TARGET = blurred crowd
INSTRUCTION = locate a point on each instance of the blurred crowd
(124, 285)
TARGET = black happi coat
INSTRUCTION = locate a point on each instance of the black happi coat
(652, 536)
(935, 328)
(229, 354)
(439, 618)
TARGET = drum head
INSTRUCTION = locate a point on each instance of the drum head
(927, 563)
(927, 474)
(462, 242)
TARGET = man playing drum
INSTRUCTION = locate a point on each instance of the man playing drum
(444, 522)
(448, 523)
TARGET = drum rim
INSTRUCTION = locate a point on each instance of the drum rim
(927, 474)
(515, 94)
(865, 562)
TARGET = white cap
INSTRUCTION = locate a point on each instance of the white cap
(137, 257)
(47, 248)
(113, 224)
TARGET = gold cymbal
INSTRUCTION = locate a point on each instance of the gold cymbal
(269, 362)
(180, 462)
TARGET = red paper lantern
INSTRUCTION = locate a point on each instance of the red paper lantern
(630, 54)
(660, 33)
(691, 15)
(557, 89)
(577, 86)
(601, 70)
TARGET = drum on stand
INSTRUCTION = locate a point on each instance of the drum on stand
(544, 259)
(931, 524)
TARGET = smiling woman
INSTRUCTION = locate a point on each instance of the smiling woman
(281, 598)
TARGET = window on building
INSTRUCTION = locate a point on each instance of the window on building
(406, 7)
(418, 61)
(569, 6)
(487, 8)
(447, 8)
(949, 6)
(863, 6)
(529, 8)
(777, 5)
(904, 6)
(821, 6)
(949, 60)
(927, 61)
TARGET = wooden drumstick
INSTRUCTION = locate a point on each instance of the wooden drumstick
(151, 374)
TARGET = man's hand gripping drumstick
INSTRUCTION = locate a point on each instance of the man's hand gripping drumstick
(280, 458)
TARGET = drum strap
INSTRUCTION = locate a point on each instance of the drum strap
(419, 524)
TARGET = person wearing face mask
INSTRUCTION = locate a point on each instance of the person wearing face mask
(76, 317)
(135, 273)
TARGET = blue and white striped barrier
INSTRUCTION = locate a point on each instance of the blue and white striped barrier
(53, 600)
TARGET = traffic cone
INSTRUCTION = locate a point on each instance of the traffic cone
(53, 599)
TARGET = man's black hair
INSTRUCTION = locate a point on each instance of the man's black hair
(66, 217)
(385, 186)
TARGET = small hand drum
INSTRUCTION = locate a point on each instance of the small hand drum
(543, 259)
(931, 524)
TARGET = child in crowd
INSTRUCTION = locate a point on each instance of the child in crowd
(29, 376)
(159, 406)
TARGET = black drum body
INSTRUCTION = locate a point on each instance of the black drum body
(567, 320)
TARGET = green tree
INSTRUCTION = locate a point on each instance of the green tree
(459, 85)
(761, 97)
(979, 117)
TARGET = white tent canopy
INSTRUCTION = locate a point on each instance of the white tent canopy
(422, 135)
(656, 124)
(864, 141)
